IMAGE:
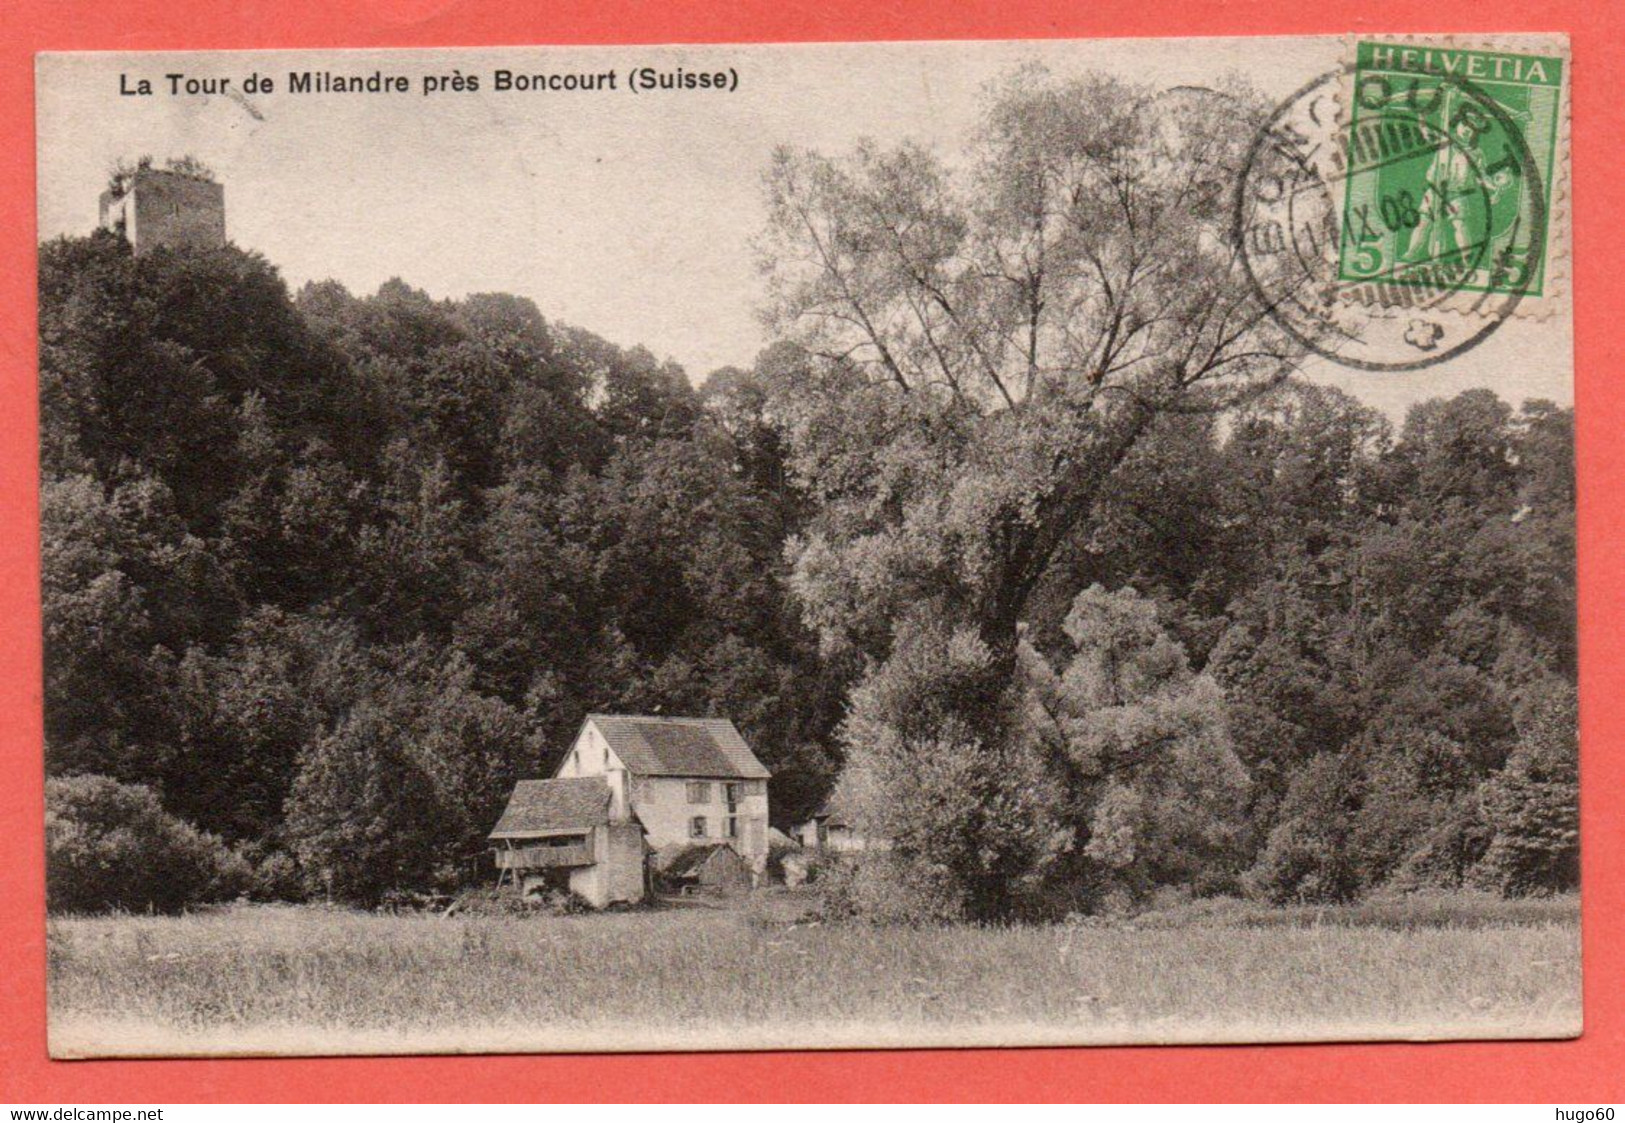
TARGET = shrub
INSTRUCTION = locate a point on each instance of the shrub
(112, 846)
(1309, 856)
(777, 852)
(1533, 805)
(889, 889)
(932, 769)
(277, 878)
(1443, 856)
(823, 864)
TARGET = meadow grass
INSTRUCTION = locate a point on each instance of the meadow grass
(252, 979)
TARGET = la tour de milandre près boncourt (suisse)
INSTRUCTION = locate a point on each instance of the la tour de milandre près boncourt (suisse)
(634, 80)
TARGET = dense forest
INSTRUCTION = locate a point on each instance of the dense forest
(329, 573)
(324, 574)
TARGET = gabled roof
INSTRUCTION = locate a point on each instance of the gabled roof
(828, 810)
(689, 861)
(680, 746)
(537, 806)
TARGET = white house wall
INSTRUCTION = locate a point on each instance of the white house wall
(622, 861)
(617, 870)
(592, 756)
(662, 804)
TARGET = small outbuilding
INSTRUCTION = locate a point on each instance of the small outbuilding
(716, 866)
(827, 829)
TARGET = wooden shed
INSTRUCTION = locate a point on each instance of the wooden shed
(716, 867)
(559, 834)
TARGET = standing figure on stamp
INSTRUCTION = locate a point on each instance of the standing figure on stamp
(1452, 188)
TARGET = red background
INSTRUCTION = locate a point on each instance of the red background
(1591, 1069)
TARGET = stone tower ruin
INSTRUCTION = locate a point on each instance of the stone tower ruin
(166, 208)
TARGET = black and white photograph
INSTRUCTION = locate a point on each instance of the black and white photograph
(565, 549)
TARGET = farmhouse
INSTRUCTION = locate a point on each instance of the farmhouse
(631, 787)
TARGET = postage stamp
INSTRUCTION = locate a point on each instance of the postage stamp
(1397, 210)
(1438, 192)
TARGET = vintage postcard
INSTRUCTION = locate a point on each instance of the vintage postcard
(808, 546)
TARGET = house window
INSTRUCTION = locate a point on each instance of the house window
(696, 827)
(734, 792)
(699, 791)
(730, 827)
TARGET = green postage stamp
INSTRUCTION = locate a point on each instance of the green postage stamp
(1450, 159)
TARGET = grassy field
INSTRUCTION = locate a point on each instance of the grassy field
(257, 979)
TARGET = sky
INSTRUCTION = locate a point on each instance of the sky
(629, 214)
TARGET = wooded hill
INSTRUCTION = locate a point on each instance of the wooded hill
(325, 574)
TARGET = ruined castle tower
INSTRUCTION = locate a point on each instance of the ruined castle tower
(166, 208)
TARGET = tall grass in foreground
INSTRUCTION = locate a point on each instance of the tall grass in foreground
(246, 967)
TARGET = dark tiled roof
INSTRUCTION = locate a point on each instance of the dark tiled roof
(828, 810)
(680, 746)
(688, 862)
(554, 805)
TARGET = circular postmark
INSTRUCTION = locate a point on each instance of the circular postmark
(1395, 232)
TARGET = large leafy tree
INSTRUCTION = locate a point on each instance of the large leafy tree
(964, 816)
(125, 589)
(244, 714)
(985, 344)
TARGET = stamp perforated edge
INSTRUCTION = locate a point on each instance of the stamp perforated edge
(1554, 296)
